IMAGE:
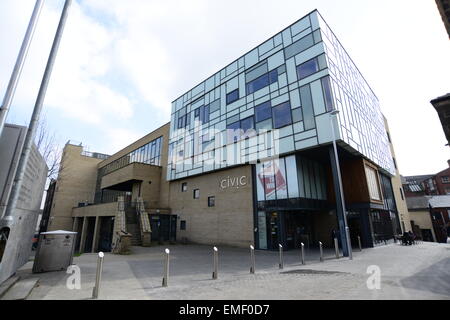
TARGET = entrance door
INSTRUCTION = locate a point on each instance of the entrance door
(299, 229)
(106, 234)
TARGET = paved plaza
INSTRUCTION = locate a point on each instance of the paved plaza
(407, 272)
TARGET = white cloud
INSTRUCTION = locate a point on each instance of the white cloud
(118, 56)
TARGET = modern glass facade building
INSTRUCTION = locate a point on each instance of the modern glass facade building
(248, 157)
(271, 109)
(289, 83)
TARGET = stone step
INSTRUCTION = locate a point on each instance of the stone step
(21, 289)
(6, 285)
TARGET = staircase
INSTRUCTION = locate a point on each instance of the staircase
(133, 226)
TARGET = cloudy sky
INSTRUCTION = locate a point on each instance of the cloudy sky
(121, 63)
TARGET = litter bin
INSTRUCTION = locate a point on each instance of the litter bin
(55, 251)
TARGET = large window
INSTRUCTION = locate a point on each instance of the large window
(373, 183)
(262, 81)
(290, 177)
(282, 115)
(263, 111)
(201, 114)
(307, 68)
(327, 93)
(241, 129)
(233, 96)
(149, 153)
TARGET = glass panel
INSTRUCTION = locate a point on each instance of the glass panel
(214, 106)
(282, 115)
(299, 46)
(256, 72)
(247, 124)
(312, 179)
(264, 125)
(269, 180)
(308, 68)
(306, 178)
(307, 105)
(206, 116)
(273, 76)
(233, 132)
(280, 178)
(258, 83)
(263, 111)
(291, 174)
(297, 115)
(260, 182)
(327, 93)
(233, 96)
(262, 230)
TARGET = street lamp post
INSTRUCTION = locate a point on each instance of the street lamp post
(345, 235)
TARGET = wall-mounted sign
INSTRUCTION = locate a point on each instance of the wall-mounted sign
(233, 182)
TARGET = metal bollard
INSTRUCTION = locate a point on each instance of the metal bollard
(165, 281)
(215, 263)
(359, 243)
(252, 259)
(321, 251)
(302, 245)
(280, 249)
(336, 247)
(349, 243)
(98, 276)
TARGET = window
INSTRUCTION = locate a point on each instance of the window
(281, 115)
(372, 182)
(233, 132)
(402, 194)
(447, 190)
(307, 68)
(263, 111)
(183, 121)
(445, 179)
(307, 106)
(327, 93)
(211, 201)
(183, 225)
(240, 129)
(262, 81)
(247, 124)
(184, 187)
(196, 193)
(233, 96)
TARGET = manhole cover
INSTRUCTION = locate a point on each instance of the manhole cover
(310, 271)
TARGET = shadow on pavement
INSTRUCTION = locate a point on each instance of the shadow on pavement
(435, 278)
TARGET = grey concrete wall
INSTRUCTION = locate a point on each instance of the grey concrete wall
(18, 247)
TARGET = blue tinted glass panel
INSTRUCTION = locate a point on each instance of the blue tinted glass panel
(258, 83)
(233, 96)
(308, 68)
(327, 93)
(206, 114)
(281, 115)
(247, 124)
(233, 132)
(273, 76)
(307, 105)
(263, 111)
